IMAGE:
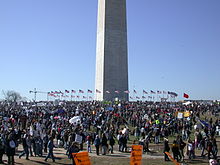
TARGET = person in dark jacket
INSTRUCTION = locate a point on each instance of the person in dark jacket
(2, 148)
(166, 149)
(104, 143)
(25, 147)
(73, 149)
(97, 144)
(50, 146)
(10, 146)
(175, 150)
(111, 143)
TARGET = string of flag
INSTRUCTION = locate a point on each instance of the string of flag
(76, 93)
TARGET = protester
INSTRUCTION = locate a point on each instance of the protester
(150, 121)
(166, 149)
(73, 149)
(50, 146)
(97, 143)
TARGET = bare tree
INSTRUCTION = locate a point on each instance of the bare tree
(12, 96)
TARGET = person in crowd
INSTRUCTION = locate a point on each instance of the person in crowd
(2, 148)
(175, 150)
(25, 147)
(166, 149)
(111, 143)
(104, 143)
(88, 143)
(10, 146)
(73, 149)
(50, 146)
(97, 143)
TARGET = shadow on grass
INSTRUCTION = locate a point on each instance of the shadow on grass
(196, 161)
(117, 156)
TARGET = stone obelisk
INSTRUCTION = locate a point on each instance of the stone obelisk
(111, 51)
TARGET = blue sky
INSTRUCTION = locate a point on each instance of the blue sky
(51, 45)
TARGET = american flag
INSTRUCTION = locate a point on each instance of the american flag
(66, 91)
(81, 91)
(152, 92)
(97, 91)
(159, 92)
(89, 91)
(73, 91)
(107, 91)
(116, 91)
(145, 92)
(126, 91)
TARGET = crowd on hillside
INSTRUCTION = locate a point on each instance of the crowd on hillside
(39, 127)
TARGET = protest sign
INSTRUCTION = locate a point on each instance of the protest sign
(136, 154)
(81, 158)
(78, 139)
(186, 114)
(180, 115)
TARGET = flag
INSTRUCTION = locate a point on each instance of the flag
(135, 91)
(73, 91)
(107, 91)
(89, 91)
(126, 91)
(81, 91)
(145, 92)
(186, 95)
(172, 93)
(66, 91)
(97, 91)
(152, 92)
(116, 91)
(159, 92)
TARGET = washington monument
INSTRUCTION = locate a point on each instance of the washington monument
(111, 51)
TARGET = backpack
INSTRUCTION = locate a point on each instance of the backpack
(12, 144)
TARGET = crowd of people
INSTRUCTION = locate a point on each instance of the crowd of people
(39, 127)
